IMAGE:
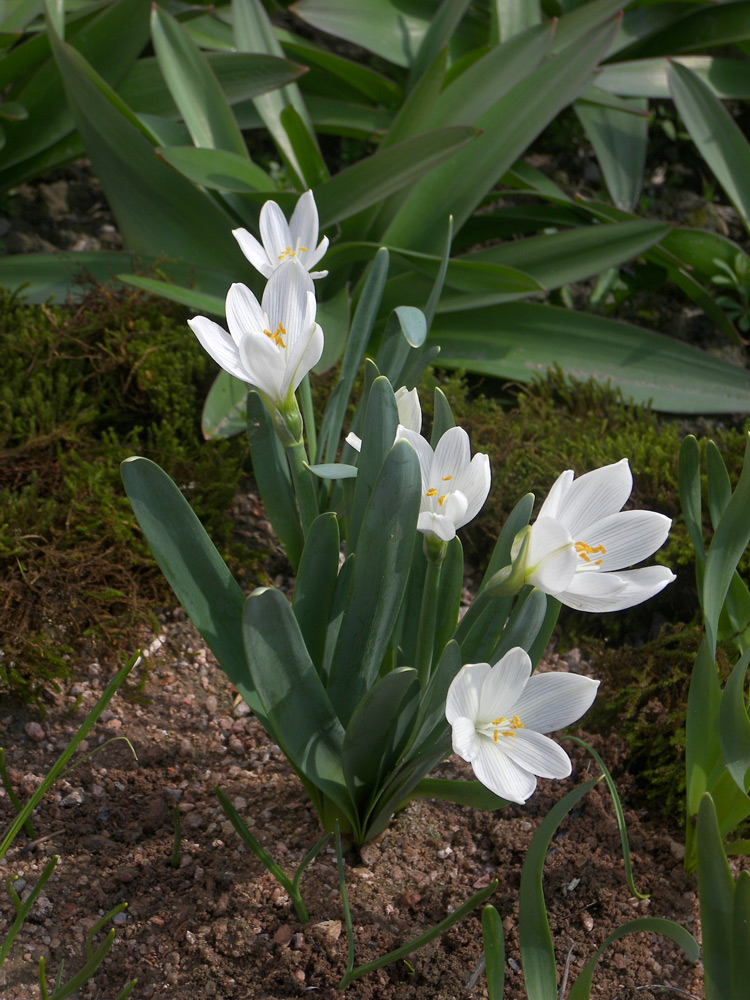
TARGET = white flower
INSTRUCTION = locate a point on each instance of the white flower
(409, 415)
(272, 345)
(582, 540)
(282, 241)
(499, 714)
(454, 485)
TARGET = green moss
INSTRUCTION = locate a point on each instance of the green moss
(82, 390)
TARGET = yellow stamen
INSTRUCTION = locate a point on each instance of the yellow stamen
(446, 478)
(585, 550)
(277, 337)
(515, 723)
(291, 253)
(441, 499)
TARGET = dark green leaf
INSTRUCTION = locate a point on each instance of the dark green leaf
(225, 408)
(316, 584)
(716, 894)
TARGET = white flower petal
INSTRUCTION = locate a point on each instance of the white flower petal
(627, 537)
(303, 225)
(454, 508)
(555, 496)
(594, 496)
(309, 356)
(217, 342)
(354, 441)
(614, 591)
(274, 232)
(436, 524)
(500, 774)
(465, 739)
(423, 450)
(254, 251)
(452, 456)
(551, 560)
(475, 484)
(536, 753)
(552, 701)
(285, 300)
(464, 691)
(409, 409)
(503, 686)
(265, 365)
(244, 314)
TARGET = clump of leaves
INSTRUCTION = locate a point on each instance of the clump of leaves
(83, 389)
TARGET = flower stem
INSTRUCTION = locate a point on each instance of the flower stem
(308, 416)
(303, 485)
(428, 618)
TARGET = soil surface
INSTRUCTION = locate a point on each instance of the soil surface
(218, 925)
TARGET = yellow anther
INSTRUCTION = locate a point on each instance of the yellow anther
(446, 478)
(277, 337)
(515, 723)
(442, 498)
(432, 492)
(291, 253)
(585, 550)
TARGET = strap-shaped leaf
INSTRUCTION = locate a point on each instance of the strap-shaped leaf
(620, 140)
(194, 87)
(709, 25)
(157, 211)
(378, 732)
(494, 949)
(305, 146)
(449, 596)
(294, 700)
(734, 725)
(432, 707)
(217, 169)
(442, 419)
(379, 579)
(728, 78)
(378, 435)
(702, 747)
(274, 480)
(740, 971)
(436, 38)
(194, 569)
(406, 329)
(729, 542)
(459, 185)
(523, 625)
(225, 408)
(719, 141)
(464, 793)
(689, 479)
(716, 893)
(316, 584)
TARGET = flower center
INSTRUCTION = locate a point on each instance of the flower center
(289, 253)
(585, 550)
(432, 492)
(497, 732)
(277, 337)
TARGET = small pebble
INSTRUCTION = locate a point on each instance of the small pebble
(34, 731)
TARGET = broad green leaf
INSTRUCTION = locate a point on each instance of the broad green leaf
(42, 276)
(459, 185)
(225, 408)
(241, 76)
(718, 485)
(513, 17)
(253, 32)
(442, 27)
(620, 140)
(729, 542)
(406, 330)
(523, 625)
(393, 29)
(399, 790)
(464, 793)
(442, 419)
(727, 78)
(515, 341)
(377, 733)
(479, 87)
(374, 178)
(581, 989)
(50, 119)
(702, 747)
(217, 169)
(575, 24)
(379, 579)
(375, 86)
(305, 146)
(734, 725)
(359, 335)
(316, 584)
(413, 116)
(157, 211)
(294, 700)
(333, 317)
(710, 26)
(740, 971)
(194, 569)
(700, 249)
(494, 945)
(432, 707)
(689, 479)
(274, 480)
(194, 87)
(334, 470)
(378, 434)
(566, 257)
(449, 596)
(716, 894)
(719, 140)
(537, 948)
(193, 297)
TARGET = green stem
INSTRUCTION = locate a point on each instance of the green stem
(303, 485)
(427, 619)
(308, 416)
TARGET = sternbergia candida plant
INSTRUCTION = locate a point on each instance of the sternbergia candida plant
(367, 679)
